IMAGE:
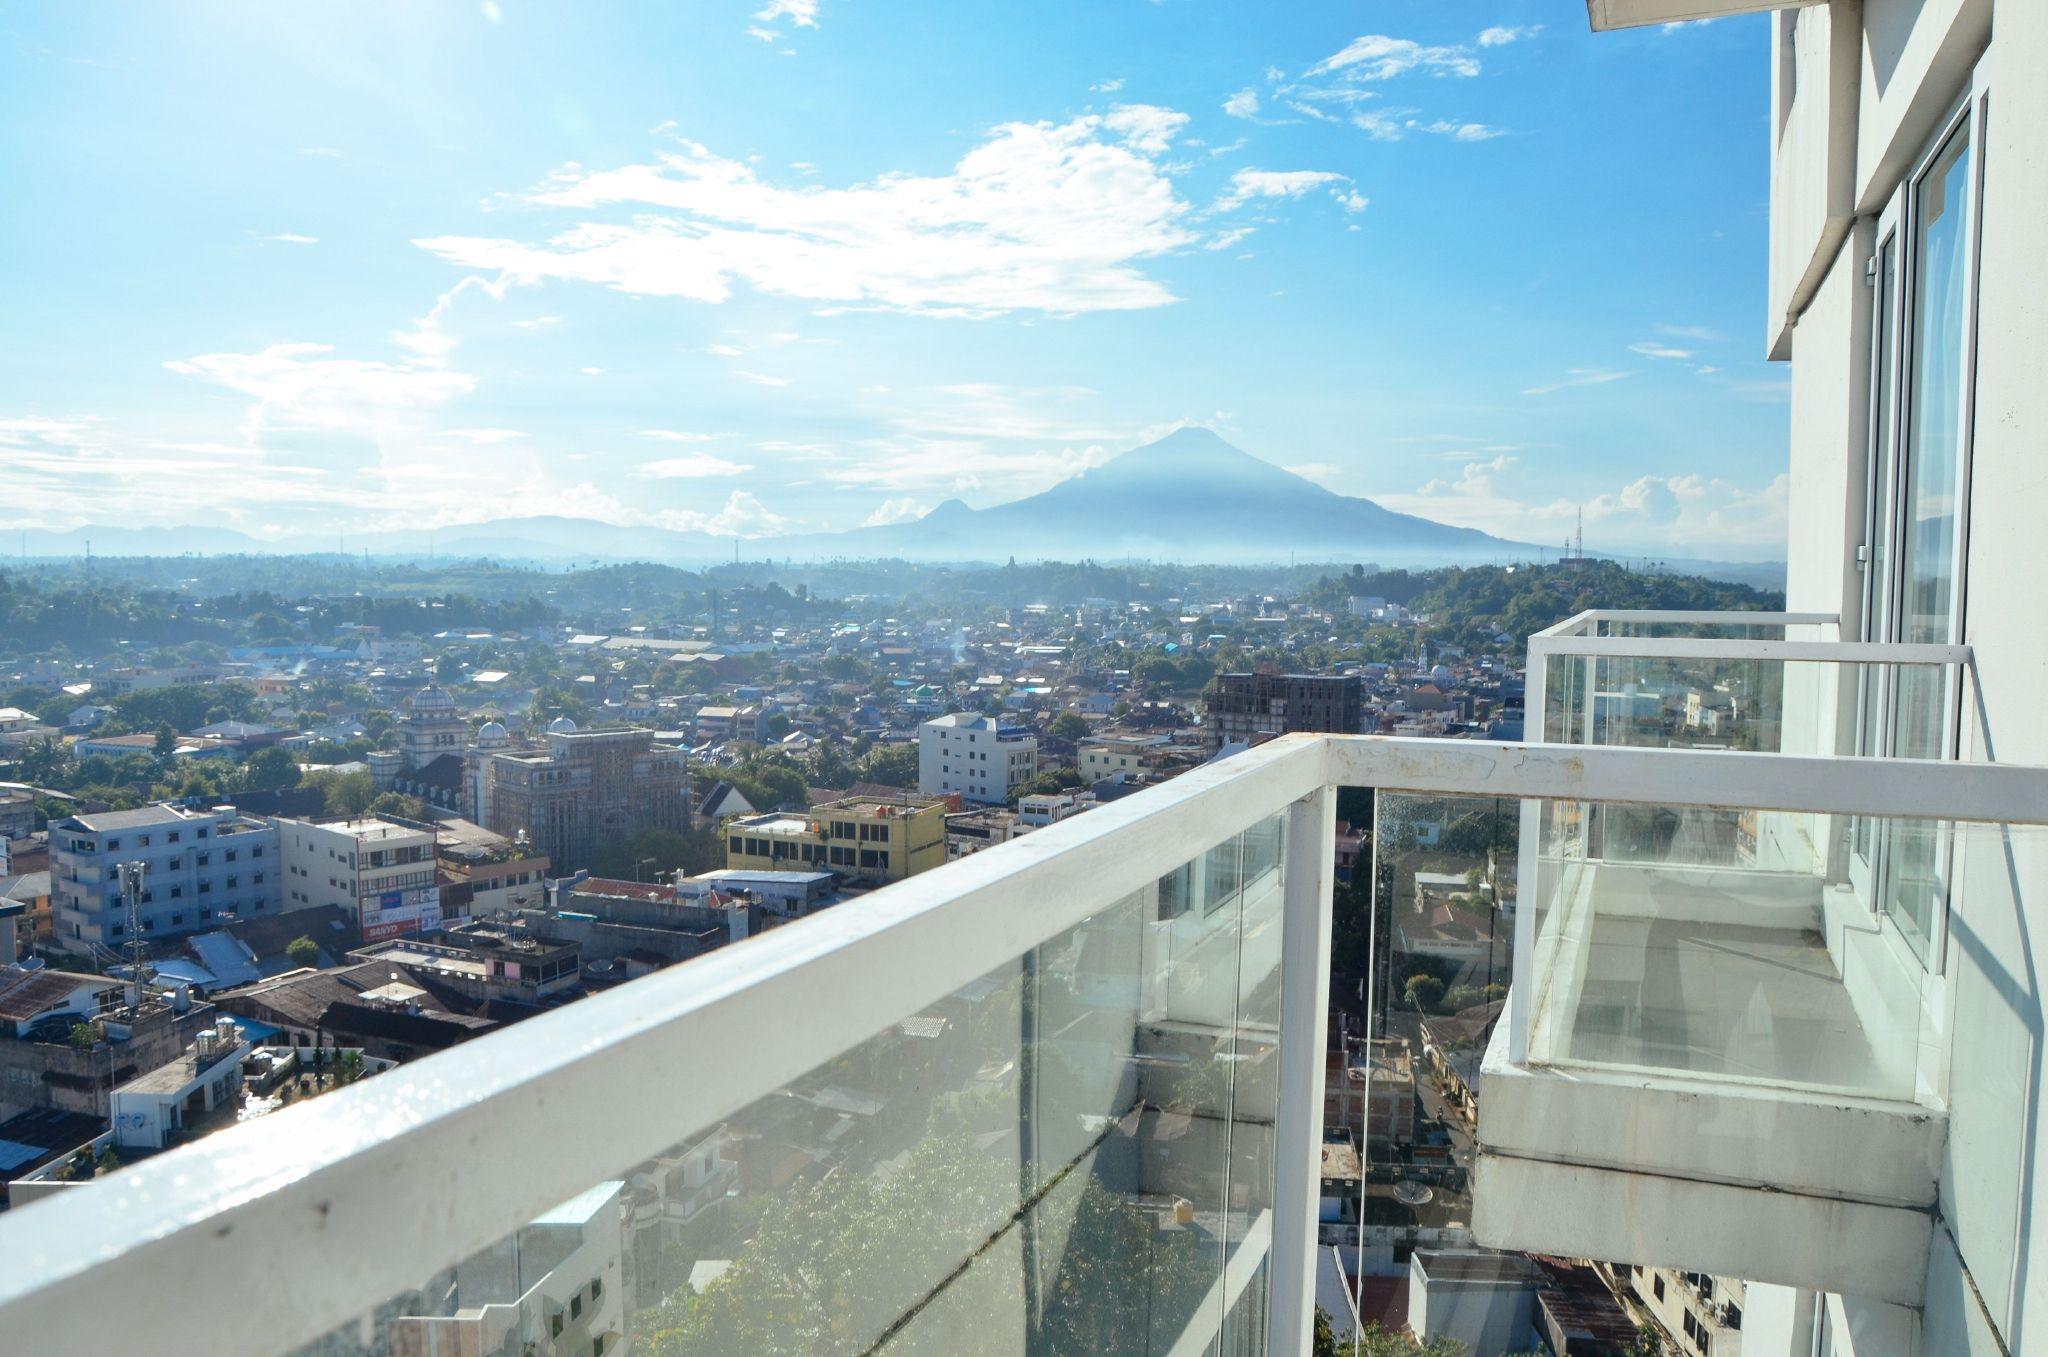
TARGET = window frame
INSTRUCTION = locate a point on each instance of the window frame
(1890, 452)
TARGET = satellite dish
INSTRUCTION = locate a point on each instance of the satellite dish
(1408, 1192)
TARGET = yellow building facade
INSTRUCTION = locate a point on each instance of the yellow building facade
(869, 840)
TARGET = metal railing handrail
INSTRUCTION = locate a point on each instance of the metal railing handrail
(344, 1201)
(1708, 648)
(1577, 622)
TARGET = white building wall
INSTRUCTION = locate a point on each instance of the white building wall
(960, 755)
(1914, 61)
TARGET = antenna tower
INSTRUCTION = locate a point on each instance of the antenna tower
(131, 894)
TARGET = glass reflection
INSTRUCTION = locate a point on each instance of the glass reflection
(1072, 1155)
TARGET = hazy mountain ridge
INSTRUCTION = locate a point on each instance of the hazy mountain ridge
(1190, 496)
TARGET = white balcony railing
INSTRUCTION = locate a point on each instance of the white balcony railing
(1065, 1093)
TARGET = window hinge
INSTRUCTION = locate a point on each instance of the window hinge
(1870, 271)
(1862, 553)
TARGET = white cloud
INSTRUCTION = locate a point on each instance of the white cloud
(427, 338)
(1243, 104)
(1246, 185)
(905, 510)
(1577, 377)
(593, 372)
(1107, 87)
(1659, 351)
(1040, 216)
(724, 350)
(1351, 201)
(1382, 124)
(538, 322)
(1688, 331)
(295, 240)
(675, 436)
(1145, 128)
(1317, 471)
(1652, 514)
(1500, 35)
(1229, 238)
(694, 467)
(802, 13)
(760, 380)
(742, 516)
(1378, 57)
(293, 389)
(486, 435)
(764, 34)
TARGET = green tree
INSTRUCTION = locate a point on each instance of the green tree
(1068, 725)
(349, 1067)
(770, 778)
(698, 851)
(347, 793)
(550, 702)
(892, 765)
(269, 769)
(166, 740)
(42, 763)
(84, 1036)
(1425, 992)
(399, 804)
(826, 766)
(303, 951)
(108, 1161)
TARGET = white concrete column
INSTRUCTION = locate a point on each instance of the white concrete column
(1304, 1018)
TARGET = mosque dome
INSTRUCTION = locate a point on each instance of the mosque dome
(561, 725)
(1440, 675)
(432, 699)
(491, 733)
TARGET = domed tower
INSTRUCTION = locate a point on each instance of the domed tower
(432, 728)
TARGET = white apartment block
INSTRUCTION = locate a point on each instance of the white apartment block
(977, 758)
(1908, 291)
(203, 869)
(380, 872)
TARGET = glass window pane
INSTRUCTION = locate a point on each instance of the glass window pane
(1071, 1155)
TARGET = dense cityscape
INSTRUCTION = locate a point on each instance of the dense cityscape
(377, 823)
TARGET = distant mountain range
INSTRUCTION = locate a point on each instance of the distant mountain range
(1188, 497)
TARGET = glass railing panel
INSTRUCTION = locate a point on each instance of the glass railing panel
(1072, 1154)
(1773, 706)
(1442, 888)
(1724, 944)
(1714, 631)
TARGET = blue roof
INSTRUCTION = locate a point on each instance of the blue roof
(226, 956)
(174, 968)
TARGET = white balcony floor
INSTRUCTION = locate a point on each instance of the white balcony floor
(1731, 1000)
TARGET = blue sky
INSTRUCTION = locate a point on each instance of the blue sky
(297, 268)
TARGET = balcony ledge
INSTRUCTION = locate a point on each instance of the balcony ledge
(1782, 1185)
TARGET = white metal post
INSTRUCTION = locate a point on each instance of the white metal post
(1304, 1020)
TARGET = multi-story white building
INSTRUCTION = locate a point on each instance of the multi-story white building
(977, 758)
(1899, 1152)
(381, 872)
(202, 869)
